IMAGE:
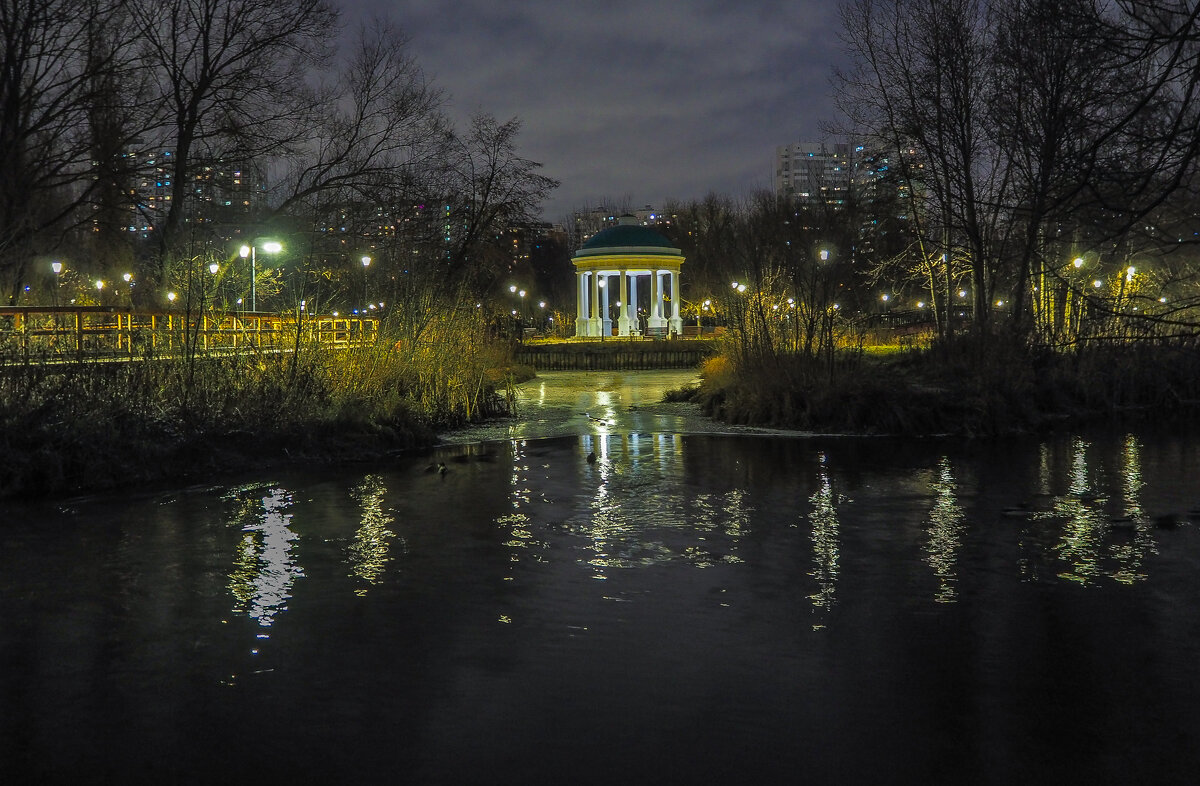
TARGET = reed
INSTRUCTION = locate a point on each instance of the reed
(961, 387)
(92, 425)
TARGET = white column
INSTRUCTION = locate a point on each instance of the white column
(580, 303)
(623, 320)
(594, 322)
(676, 320)
(656, 301)
(633, 301)
(605, 319)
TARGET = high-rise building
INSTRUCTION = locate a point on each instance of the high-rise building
(814, 172)
(221, 193)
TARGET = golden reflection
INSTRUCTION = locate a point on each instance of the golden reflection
(639, 515)
(1092, 544)
(1081, 509)
(264, 568)
(825, 526)
(1079, 467)
(1045, 469)
(1131, 475)
(1130, 555)
(518, 525)
(368, 553)
(945, 532)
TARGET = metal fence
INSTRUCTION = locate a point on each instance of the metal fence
(81, 333)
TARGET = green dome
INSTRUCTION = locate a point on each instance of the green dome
(625, 236)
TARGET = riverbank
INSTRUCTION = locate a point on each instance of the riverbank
(87, 428)
(961, 390)
(72, 428)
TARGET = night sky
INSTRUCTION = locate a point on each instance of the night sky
(637, 101)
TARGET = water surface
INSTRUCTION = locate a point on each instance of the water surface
(686, 607)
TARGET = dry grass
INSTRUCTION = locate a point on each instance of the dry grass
(963, 389)
(106, 425)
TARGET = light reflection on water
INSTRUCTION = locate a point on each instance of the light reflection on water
(368, 554)
(265, 566)
(824, 521)
(855, 610)
(945, 531)
(640, 513)
(1105, 533)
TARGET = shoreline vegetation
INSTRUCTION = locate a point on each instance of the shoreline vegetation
(78, 428)
(966, 387)
(83, 427)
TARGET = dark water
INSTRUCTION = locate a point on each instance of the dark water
(686, 609)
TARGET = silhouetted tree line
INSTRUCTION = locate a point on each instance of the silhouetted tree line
(358, 154)
(1049, 151)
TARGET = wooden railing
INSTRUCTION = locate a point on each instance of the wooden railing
(77, 333)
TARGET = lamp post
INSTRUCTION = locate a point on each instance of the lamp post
(57, 267)
(366, 263)
(269, 247)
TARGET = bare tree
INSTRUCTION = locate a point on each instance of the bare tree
(377, 133)
(53, 57)
(234, 85)
(917, 91)
(1038, 124)
(492, 186)
(447, 250)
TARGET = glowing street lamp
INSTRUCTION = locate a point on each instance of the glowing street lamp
(57, 267)
(366, 263)
(269, 247)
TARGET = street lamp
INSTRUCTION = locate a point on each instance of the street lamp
(269, 247)
(366, 263)
(57, 267)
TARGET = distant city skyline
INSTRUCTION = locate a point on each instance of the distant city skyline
(632, 101)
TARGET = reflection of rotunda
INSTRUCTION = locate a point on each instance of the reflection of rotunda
(627, 251)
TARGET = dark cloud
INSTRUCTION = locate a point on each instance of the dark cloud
(642, 100)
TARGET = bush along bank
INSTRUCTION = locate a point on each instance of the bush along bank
(960, 389)
(83, 427)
